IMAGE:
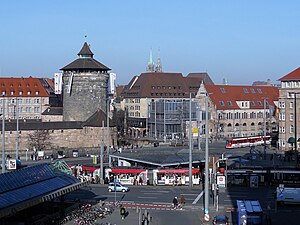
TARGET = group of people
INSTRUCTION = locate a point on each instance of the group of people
(178, 205)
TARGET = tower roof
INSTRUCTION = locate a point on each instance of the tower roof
(85, 51)
(85, 62)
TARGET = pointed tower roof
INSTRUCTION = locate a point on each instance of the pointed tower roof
(85, 62)
(85, 51)
(158, 67)
(150, 67)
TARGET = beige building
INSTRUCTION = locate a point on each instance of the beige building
(24, 98)
(289, 93)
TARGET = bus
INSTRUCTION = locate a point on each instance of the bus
(240, 142)
(249, 212)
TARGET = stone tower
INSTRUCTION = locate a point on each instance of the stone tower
(85, 85)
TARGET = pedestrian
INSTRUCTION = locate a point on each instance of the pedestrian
(175, 202)
(182, 201)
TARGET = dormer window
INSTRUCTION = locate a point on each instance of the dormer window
(222, 90)
(20, 92)
(28, 92)
(37, 93)
(12, 93)
(3, 92)
(246, 90)
(222, 103)
(259, 91)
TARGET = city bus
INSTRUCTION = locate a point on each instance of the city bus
(240, 142)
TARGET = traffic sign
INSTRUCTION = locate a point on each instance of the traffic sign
(206, 217)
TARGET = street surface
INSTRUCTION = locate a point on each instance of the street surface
(158, 202)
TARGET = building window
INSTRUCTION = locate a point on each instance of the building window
(137, 100)
(246, 90)
(252, 90)
(28, 92)
(222, 103)
(292, 129)
(137, 107)
(259, 91)
(37, 93)
(259, 103)
(252, 103)
(222, 90)
(229, 103)
(291, 116)
(282, 105)
(291, 105)
(137, 114)
(36, 109)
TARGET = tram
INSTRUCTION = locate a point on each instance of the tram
(240, 142)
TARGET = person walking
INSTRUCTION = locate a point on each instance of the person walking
(175, 202)
(182, 201)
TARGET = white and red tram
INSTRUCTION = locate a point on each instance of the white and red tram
(240, 142)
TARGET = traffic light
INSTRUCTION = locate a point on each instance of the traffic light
(123, 212)
(217, 190)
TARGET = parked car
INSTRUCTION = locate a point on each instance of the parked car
(220, 220)
(119, 187)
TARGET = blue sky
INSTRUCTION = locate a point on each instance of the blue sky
(240, 40)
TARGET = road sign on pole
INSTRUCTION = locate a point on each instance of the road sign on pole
(206, 217)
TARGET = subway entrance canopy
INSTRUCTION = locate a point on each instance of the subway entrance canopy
(33, 185)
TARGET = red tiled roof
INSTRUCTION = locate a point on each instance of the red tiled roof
(294, 75)
(119, 89)
(224, 95)
(22, 87)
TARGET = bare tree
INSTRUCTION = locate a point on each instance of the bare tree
(39, 140)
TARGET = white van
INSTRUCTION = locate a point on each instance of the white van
(285, 195)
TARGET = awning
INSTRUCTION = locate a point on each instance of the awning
(178, 171)
(129, 171)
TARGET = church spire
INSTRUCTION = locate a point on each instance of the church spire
(158, 67)
(150, 67)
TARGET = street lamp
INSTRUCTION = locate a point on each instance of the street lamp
(206, 196)
(101, 154)
(3, 134)
(190, 143)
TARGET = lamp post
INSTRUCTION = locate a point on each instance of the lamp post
(155, 128)
(295, 120)
(190, 142)
(3, 134)
(108, 131)
(265, 129)
(206, 196)
(199, 119)
(17, 136)
(101, 154)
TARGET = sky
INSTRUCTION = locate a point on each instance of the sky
(242, 41)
